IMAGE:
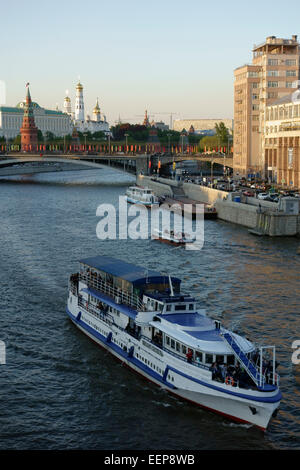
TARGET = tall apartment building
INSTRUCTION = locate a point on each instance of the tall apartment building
(271, 75)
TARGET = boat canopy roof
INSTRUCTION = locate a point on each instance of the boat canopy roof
(129, 272)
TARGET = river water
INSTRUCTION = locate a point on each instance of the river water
(60, 391)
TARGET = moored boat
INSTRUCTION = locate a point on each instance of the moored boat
(140, 195)
(142, 318)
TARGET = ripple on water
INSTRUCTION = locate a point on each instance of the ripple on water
(61, 390)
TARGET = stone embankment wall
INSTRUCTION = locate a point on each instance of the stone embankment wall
(266, 220)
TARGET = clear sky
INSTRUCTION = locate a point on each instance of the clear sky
(161, 55)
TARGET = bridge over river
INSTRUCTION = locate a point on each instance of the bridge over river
(21, 163)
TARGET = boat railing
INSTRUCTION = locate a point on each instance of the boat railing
(263, 374)
(178, 356)
(73, 287)
(260, 375)
(119, 296)
(94, 310)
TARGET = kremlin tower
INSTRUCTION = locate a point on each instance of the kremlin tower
(28, 131)
(146, 120)
(96, 112)
(79, 104)
(67, 104)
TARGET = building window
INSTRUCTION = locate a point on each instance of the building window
(291, 73)
(252, 74)
(273, 73)
(273, 62)
(272, 84)
(290, 62)
(290, 158)
(289, 84)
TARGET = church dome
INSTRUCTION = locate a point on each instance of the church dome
(96, 109)
(67, 99)
(21, 104)
(79, 86)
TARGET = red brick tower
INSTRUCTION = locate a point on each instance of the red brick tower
(28, 130)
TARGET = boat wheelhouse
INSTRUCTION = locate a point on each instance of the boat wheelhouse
(143, 319)
(139, 195)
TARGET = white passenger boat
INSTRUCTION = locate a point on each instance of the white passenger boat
(142, 319)
(172, 237)
(139, 195)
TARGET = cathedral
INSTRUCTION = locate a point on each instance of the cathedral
(82, 123)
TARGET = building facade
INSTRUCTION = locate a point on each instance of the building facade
(282, 141)
(46, 120)
(271, 76)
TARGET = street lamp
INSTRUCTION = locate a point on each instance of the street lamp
(109, 143)
(211, 172)
(126, 135)
(182, 149)
(169, 136)
(85, 141)
(230, 139)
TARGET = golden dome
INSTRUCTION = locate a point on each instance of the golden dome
(96, 109)
(67, 98)
(79, 86)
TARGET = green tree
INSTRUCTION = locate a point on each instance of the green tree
(222, 133)
(17, 140)
(40, 136)
(209, 141)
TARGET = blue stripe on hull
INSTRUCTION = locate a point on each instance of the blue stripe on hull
(161, 379)
(120, 352)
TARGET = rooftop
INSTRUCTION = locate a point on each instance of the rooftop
(124, 270)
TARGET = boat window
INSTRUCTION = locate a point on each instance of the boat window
(180, 307)
(191, 306)
(183, 349)
(199, 356)
(177, 346)
(167, 340)
(220, 359)
(208, 358)
(172, 344)
(169, 307)
(230, 360)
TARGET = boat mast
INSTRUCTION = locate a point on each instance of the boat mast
(171, 286)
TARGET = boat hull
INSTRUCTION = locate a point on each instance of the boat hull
(229, 405)
(131, 200)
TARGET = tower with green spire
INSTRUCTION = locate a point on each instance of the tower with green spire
(28, 131)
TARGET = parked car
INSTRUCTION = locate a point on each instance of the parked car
(248, 194)
(262, 195)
